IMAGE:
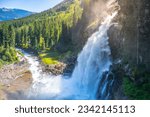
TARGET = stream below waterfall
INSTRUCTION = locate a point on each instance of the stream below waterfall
(86, 79)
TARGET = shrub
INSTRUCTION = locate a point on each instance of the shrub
(49, 61)
(4, 58)
(1, 63)
(7, 55)
(137, 92)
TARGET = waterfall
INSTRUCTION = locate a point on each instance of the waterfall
(92, 62)
(87, 78)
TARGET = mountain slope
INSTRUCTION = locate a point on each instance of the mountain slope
(10, 14)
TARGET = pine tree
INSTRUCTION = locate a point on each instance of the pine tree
(42, 42)
(11, 36)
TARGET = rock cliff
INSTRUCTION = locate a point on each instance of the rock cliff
(129, 40)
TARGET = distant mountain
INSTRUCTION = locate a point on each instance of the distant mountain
(10, 14)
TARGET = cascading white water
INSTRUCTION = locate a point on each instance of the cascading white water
(44, 86)
(92, 62)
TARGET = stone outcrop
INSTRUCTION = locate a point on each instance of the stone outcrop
(55, 69)
(65, 67)
(11, 72)
(15, 79)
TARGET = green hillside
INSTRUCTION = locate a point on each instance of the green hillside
(41, 31)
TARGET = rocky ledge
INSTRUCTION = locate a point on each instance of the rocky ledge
(14, 78)
(54, 69)
(65, 67)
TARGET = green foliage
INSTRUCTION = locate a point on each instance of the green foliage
(40, 31)
(7, 35)
(1, 63)
(49, 58)
(42, 43)
(7, 55)
(49, 61)
(136, 92)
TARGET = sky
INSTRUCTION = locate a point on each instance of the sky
(30, 5)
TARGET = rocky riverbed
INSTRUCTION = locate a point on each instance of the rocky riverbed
(14, 79)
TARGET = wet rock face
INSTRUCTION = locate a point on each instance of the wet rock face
(105, 86)
(70, 64)
(130, 39)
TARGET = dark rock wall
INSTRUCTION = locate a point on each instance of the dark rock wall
(130, 39)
